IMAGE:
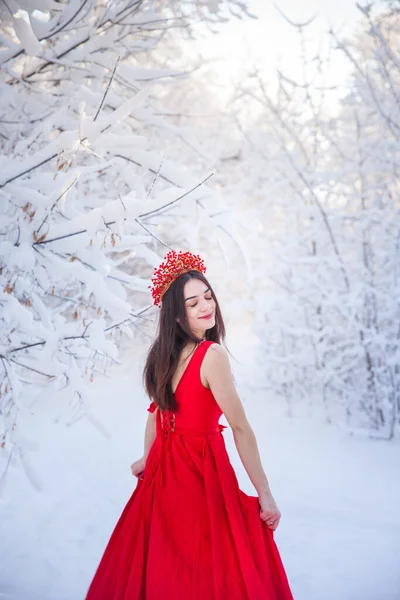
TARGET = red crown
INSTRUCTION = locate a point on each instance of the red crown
(175, 264)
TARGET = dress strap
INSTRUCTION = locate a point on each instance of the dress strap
(201, 350)
(199, 355)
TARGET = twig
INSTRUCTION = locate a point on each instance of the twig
(134, 316)
(140, 165)
(32, 369)
(3, 358)
(293, 23)
(156, 210)
(46, 160)
(108, 87)
(154, 180)
(152, 234)
(63, 25)
(82, 336)
(54, 204)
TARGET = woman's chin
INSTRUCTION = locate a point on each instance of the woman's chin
(210, 324)
(205, 325)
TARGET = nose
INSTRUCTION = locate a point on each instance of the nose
(206, 310)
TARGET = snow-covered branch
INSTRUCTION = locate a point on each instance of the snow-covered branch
(326, 187)
(84, 192)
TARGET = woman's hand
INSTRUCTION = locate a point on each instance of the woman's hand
(269, 511)
(137, 468)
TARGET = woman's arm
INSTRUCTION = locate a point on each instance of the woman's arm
(216, 370)
(138, 466)
(149, 433)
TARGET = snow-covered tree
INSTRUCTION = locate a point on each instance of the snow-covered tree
(326, 191)
(87, 202)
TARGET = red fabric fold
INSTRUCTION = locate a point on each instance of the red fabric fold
(152, 408)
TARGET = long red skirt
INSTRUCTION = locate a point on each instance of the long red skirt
(189, 533)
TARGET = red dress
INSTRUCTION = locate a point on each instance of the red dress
(188, 532)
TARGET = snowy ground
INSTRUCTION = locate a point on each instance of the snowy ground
(340, 498)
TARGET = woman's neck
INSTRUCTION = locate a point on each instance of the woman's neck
(191, 344)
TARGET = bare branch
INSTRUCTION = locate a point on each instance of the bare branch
(298, 25)
(55, 204)
(106, 92)
(157, 210)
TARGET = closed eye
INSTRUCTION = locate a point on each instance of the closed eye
(206, 297)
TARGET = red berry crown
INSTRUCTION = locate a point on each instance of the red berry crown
(174, 264)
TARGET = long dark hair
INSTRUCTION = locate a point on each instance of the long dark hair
(172, 336)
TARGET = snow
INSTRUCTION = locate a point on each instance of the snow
(340, 532)
(92, 179)
(23, 29)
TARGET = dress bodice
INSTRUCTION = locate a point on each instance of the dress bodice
(197, 410)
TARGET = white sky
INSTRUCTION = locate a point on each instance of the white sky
(269, 41)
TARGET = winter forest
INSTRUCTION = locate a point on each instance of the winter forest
(122, 138)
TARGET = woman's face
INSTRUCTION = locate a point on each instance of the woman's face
(199, 306)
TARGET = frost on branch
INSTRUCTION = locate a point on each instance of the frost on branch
(83, 194)
(327, 188)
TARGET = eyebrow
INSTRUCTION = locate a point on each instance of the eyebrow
(191, 297)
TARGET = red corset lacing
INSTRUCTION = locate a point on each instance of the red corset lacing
(167, 423)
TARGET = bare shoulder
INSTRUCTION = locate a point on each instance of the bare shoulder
(216, 356)
(217, 371)
(216, 348)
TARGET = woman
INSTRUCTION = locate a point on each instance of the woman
(188, 532)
